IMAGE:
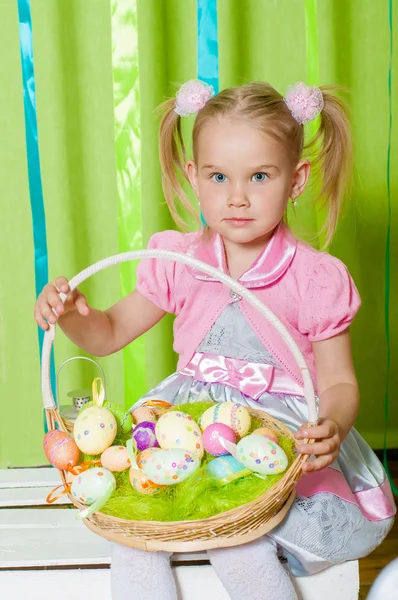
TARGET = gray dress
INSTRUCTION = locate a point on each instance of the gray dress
(323, 528)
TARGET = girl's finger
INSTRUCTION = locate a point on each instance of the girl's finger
(39, 319)
(81, 305)
(319, 448)
(319, 432)
(53, 299)
(62, 284)
(319, 463)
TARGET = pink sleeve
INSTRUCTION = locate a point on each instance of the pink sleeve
(330, 301)
(156, 276)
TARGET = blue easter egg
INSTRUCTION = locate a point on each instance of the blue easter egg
(225, 469)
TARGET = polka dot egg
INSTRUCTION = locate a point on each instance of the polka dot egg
(115, 458)
(167, 467)
(94, 485)
(94, 430)
(260, 455)
(176, 429)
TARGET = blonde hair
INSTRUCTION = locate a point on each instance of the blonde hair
(330, 148)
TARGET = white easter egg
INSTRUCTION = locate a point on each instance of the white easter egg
(115, 458)
(234, 415)
(176, 429)
(94, 430)
(92, 485)
(167, 467)
(261, 455)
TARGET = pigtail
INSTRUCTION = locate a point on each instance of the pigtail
(332, 158)
(172, 160)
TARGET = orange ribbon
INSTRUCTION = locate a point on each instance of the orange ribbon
(84, 466)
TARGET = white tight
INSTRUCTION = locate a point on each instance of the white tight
(249, 571)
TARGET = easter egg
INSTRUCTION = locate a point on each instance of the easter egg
(268, 433)
(60, 449)
(176, 429)
(123, 419)
(143, 457)
(234, 415)
(94, 430)
(225, 469)
(167, 467)
(144, 435)
(211, 438)
(141, 483)
(143, 413)
(115, 458)
(93, 487)
(261, 455)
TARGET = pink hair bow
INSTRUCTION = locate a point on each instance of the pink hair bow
(304, 102)
(192, 96)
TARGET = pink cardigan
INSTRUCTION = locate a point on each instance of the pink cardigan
(311, 292)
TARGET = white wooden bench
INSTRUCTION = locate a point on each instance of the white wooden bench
(45, 553)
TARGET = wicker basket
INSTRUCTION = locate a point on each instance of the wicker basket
(238, 526)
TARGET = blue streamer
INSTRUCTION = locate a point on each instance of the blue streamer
(208, 42)
(208, 47)
(33, 158)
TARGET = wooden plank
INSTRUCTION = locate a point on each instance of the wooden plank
(48, 537)
(36, 477)
(337, 582)
(83, 584)
(28, 496)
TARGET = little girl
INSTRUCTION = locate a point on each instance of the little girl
(247, 146)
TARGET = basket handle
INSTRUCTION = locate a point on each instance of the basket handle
(72, 358)
(49, 336)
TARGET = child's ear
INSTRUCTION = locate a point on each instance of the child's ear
(300, 178)
(192, 173)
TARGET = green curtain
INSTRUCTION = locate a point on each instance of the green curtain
(80, 160)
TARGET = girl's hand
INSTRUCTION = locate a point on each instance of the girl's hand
(326, 449)
(49, 299)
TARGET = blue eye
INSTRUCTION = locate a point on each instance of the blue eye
(259, 177)
(219, 177)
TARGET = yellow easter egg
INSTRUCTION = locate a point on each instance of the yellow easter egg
(94, 430)
(234, 415)
(176, 429)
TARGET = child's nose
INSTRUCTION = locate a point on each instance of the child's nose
(238, 198)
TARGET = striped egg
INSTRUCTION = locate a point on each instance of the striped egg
(234, 415)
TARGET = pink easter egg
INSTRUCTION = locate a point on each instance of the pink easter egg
(60, 450)
(145, 436)
(267, 433)
(211, 437)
